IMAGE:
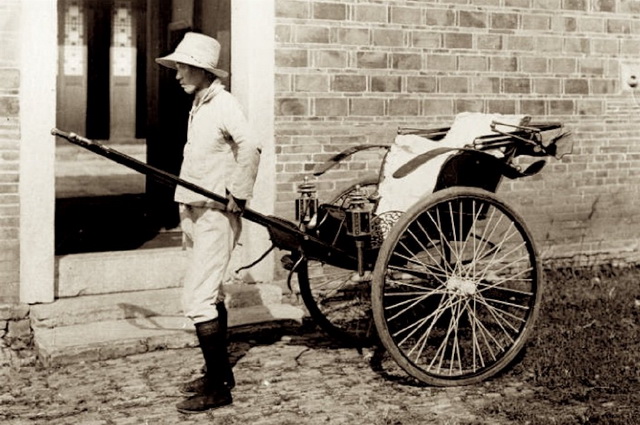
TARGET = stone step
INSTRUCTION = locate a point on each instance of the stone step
(155, 302)
(133, 270)
(118, 338)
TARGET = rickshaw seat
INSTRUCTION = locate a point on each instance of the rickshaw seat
(399, 194)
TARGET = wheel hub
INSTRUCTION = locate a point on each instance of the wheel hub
(461, 285)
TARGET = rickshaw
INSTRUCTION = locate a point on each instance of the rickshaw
(425, 258)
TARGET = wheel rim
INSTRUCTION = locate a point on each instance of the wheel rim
(458, 289)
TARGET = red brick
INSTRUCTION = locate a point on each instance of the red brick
(619, 26)
(291, 106)
(575, 4)
(386, 37)
(504, 21)
(547, 4)
(469, 105)
(440, 17)
(501, 106)
(426, 39)
(332, 11)
(521, 4)
(443, 107)
(533, 65)
(349, 83)
(284, 33)
(546, 85)
(283, 83)
(561, 107)
(503, 64)
(577, 45)
(629, 47)
(421, 84)
(472, 63)
(489, 42)
(594, 108)
(532, 107)
(309, 34)
(385, 84)
(441, 62)
(366, 107)
(312, 83)
(485, 85)
(523, 43)
(9, 106)
(330, 58)
(404, 107)
(517, 85)
(357, 36)
(371, 13)
(536, 22)
(372, 60)
(576, 86)
(406, 61)
(549, 44)
(591, 24)
(605, 46)
(331, 107)
(406, 15)
(458, 41)
(564, 65)
(291, 58)
(473, 19)
(604, 86)
(454, 84)
(292, 9)
(605, 5)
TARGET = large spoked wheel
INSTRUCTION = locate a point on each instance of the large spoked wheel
(339, 300)
(456, 287)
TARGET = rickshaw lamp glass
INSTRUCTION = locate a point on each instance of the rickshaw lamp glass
(307, 202)
(358, 215)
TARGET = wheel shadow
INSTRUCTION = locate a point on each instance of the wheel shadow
(308, 334)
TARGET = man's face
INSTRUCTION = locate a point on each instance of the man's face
(191, 79)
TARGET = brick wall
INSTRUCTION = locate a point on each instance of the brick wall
(352, 72)
(9, 150)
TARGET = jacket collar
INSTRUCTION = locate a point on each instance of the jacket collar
(210, 92)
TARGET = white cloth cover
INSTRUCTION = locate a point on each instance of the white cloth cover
(399, 194)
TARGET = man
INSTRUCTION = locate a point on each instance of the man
(221, 157)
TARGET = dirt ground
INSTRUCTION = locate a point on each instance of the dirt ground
(282, 378)
(581, 366)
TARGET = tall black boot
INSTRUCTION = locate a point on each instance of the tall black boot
(215, 392)
(224, 362)
(197, 386)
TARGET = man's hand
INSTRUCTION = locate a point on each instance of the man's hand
(235, 205)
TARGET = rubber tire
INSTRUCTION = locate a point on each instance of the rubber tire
(385, 316)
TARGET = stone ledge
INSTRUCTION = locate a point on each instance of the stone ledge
(118, 338)
(127, 305)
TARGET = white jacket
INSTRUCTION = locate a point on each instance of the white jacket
(219, 154)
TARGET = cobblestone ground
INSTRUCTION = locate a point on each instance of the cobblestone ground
(283, 377)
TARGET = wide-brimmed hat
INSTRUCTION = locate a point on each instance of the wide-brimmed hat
(198, 50)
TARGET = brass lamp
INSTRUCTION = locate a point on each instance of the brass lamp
(359, 222)
(307, 202)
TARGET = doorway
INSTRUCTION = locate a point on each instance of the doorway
(110, 89)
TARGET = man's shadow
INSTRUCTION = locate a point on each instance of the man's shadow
(298, 333)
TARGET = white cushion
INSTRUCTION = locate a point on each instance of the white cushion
(399, 194)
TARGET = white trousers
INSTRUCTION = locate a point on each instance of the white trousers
(210, 236)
